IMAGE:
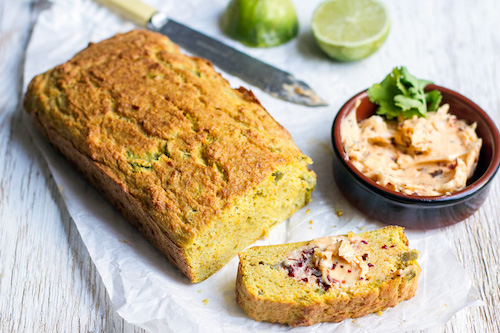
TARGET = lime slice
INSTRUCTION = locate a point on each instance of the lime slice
(260, 23)
(349, 30)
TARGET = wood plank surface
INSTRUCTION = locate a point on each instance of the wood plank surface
(48, 282)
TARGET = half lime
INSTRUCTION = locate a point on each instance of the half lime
(349, 30)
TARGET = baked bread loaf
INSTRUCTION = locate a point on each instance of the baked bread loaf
(328, 279)
(202, 170)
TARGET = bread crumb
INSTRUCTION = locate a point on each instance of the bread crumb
(199, 291)
(308, 211)
(311, 222)
(335, 226)
(324, 145)
(379, 313)
(339, 212)
(265, 233)
(311, 228)
(205, 301)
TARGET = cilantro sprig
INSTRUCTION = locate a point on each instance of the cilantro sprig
(401, 93)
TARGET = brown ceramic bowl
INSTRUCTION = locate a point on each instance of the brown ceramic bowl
(412, 211)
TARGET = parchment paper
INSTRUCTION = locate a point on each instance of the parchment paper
(149, 292)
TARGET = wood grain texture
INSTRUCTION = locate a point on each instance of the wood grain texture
(48, 282)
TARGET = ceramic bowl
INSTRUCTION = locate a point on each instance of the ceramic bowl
(412, 211)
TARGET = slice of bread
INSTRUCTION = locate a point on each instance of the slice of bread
(288, 284)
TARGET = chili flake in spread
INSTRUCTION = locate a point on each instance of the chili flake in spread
(421, 156)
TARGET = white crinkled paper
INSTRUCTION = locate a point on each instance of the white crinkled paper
(149, 292)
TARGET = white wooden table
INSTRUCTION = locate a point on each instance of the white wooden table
(48, 282)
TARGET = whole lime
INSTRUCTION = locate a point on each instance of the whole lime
(349, 30)
(260, 23)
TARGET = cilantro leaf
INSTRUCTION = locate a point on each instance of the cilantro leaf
(402, 94)
(383, 94)
(410, 104)
(434, 98)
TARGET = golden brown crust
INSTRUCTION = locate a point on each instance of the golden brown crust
(165, 138)
(304, 309)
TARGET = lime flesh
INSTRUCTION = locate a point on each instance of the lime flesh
(349, 30)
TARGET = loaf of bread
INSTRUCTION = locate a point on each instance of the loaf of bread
(327, 280)
(202, 170)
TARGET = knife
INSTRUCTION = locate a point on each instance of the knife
(272, 80)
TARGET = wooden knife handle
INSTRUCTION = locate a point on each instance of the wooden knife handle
(134, 9)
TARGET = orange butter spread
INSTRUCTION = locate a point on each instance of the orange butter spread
(421, 156)
(328, 262)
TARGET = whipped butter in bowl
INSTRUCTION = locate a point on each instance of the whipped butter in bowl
(423, 169)
(427, 156)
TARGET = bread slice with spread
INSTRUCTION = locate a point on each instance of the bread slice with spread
(327, 279)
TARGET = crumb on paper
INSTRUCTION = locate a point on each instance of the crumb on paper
(327, 147)
(199, 291)
(379, 313)
(339, 212)
(124, 241)
(322, 144)
(311, 228)
(311, 222)
(205, 301)
(265, 234)
(335, 226)
(362, 228)
(308, 211)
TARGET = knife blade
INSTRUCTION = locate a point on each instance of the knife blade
(270, 79)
